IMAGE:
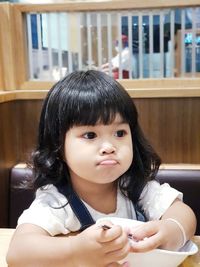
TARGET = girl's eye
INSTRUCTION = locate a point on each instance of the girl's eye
(90, 135)
(120, 133)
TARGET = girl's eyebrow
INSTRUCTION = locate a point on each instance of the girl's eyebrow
(121, 122)
(115, 122)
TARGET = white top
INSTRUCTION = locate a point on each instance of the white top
(125, 61)
(125, 57)
(45, 210)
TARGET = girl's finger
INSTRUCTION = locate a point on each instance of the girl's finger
(119, 254)
(146, 244)
(107, 235)
(145, 230)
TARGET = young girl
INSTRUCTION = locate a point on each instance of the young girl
(92, 161)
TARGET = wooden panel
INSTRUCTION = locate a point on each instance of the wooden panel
(19, 35)
(164, 88)
(1, 49)
(173, 127)
(28, 118)
(6, 96)
(106, 5)
(7, 46)
(8, 154)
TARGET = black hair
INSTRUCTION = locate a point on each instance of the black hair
(85, 98)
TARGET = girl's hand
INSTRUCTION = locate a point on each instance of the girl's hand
(95, 247)
(163, 234)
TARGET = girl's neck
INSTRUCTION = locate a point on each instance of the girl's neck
(101, 197)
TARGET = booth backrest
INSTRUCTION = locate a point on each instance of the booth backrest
(19, 198)
(185, 180)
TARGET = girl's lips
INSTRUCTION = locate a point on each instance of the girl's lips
(108, 162)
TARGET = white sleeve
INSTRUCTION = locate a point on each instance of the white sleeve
(50, 212)
(124, 60)
(115, 61)
(155, 199)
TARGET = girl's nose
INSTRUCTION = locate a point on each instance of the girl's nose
(107, 148)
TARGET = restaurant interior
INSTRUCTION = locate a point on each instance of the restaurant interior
(42, 42)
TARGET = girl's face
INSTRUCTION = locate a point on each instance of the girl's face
(98, 154)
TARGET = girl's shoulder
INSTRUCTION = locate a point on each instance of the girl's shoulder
(154, 187)
(50, 195)
(156, 198)
(50, 210)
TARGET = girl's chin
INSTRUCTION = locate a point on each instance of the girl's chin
(107, 180)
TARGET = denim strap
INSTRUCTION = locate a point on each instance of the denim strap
(82, 212)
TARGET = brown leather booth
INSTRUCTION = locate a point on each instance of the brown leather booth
(185, 180)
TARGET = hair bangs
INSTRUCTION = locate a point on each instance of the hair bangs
(94, 97)
(89, 109)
